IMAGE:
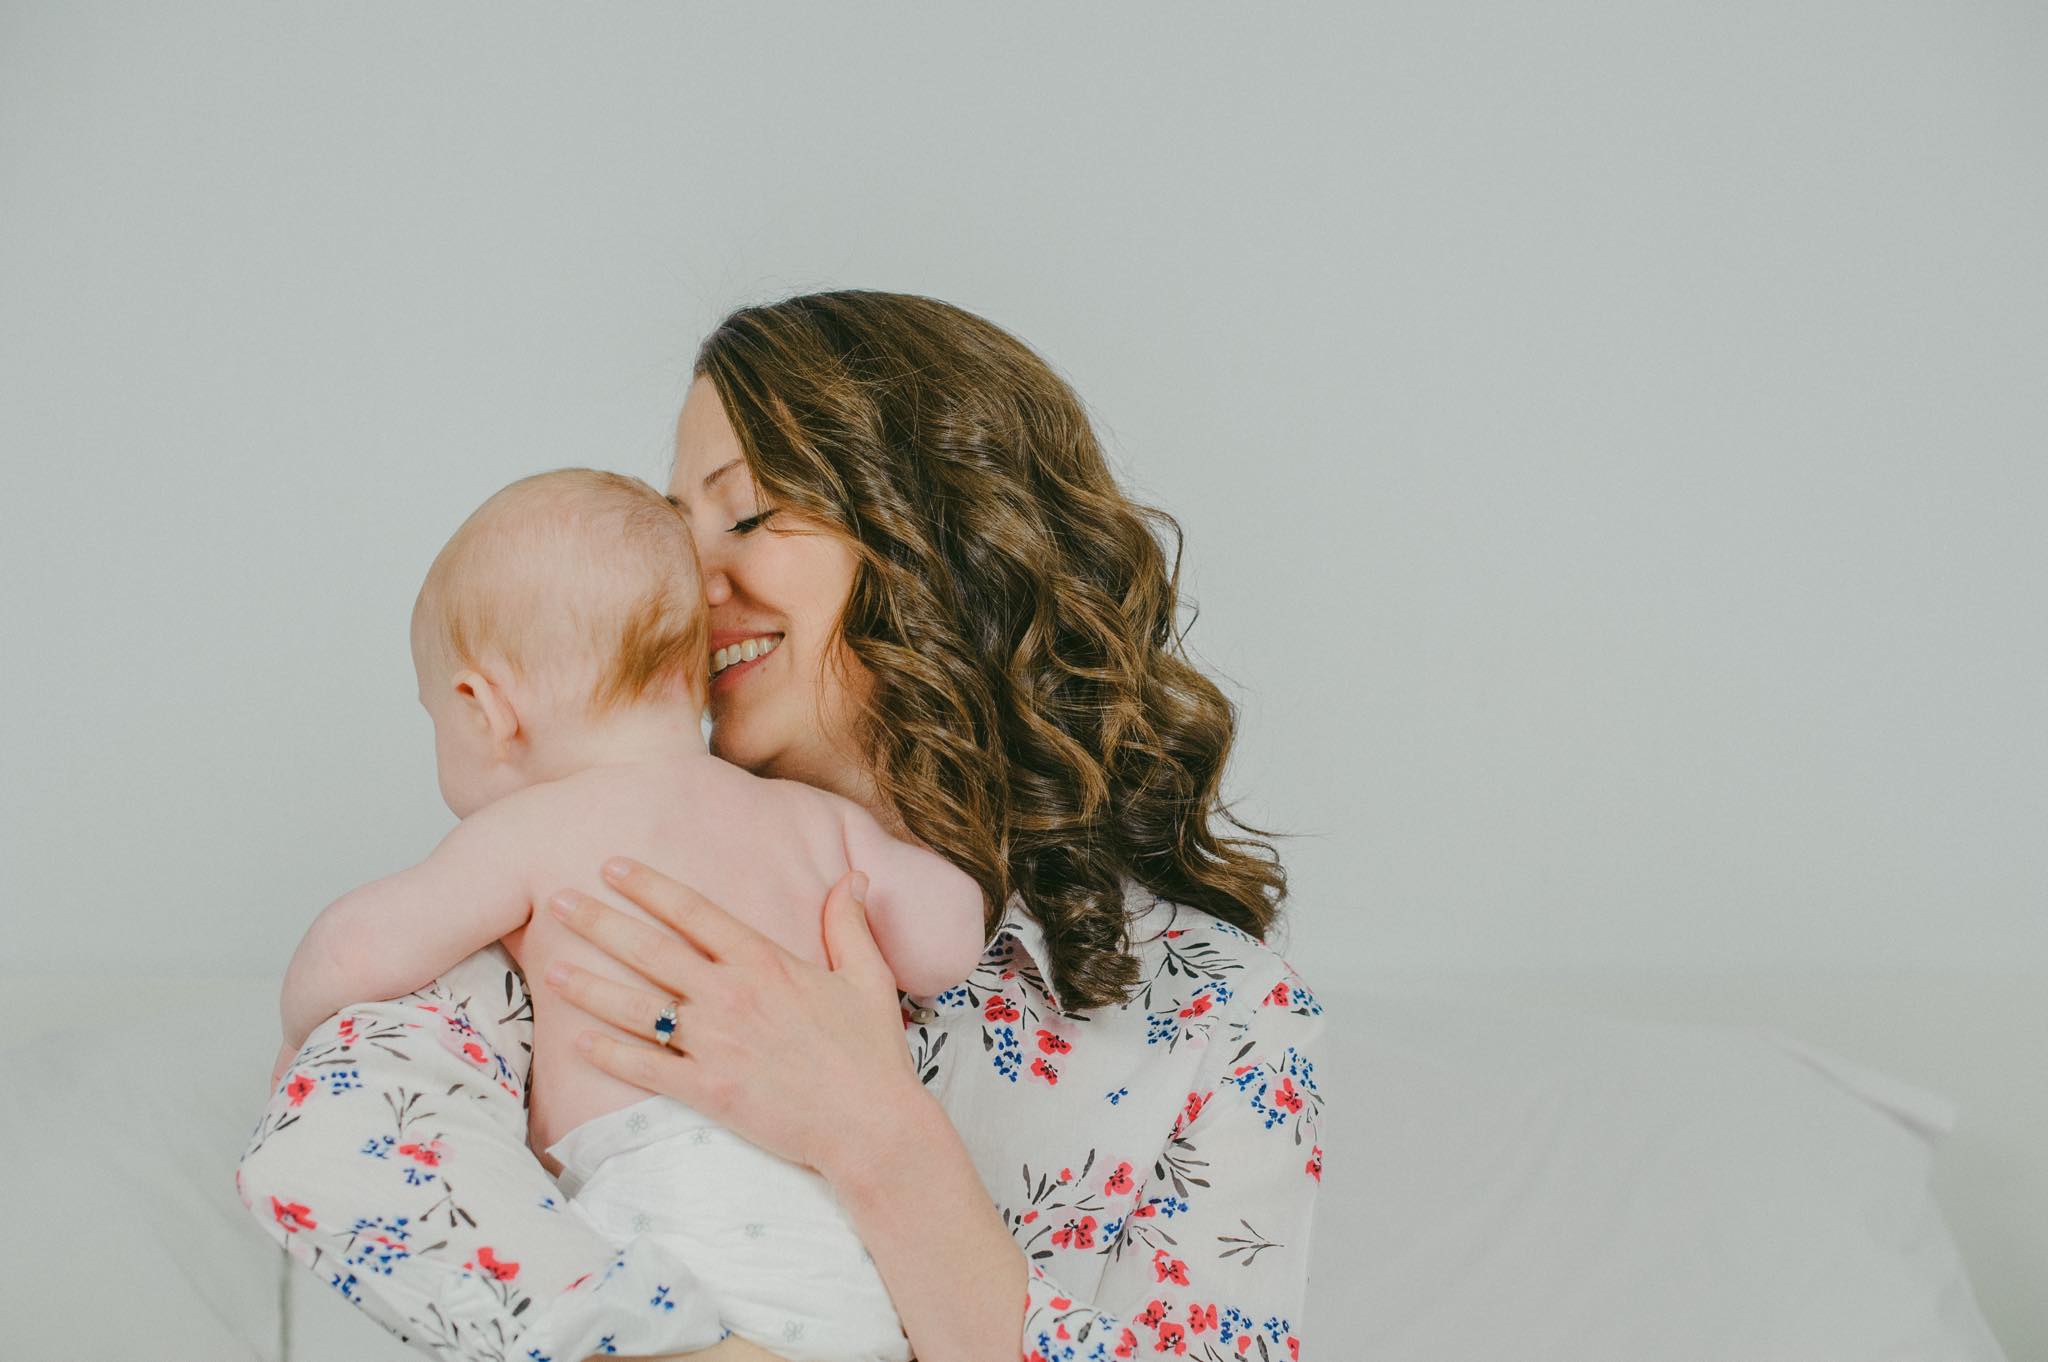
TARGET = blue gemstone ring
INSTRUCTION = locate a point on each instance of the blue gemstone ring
(665, 1024)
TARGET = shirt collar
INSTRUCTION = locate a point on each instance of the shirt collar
(1023, 929)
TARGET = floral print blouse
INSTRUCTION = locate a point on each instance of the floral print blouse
(1158, 1160)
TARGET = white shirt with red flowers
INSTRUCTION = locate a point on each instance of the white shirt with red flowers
(1158, 1160)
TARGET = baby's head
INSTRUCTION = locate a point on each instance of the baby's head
(566, 603)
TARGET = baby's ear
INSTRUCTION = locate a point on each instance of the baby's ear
(488, 707)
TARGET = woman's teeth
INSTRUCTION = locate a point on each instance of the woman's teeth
(745, 651)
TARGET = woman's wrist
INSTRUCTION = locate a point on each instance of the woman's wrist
(894, 1131)
(910, 1187)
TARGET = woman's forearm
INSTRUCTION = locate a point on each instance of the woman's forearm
(732, 1349)
(956, 1276)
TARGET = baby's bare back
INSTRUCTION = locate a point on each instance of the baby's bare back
(766, 851)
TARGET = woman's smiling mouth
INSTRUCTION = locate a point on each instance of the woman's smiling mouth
(737, 656)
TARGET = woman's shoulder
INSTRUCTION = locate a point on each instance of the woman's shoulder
(1175, 940)
(1190, 963)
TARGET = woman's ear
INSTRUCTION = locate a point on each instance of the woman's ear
(487, 708)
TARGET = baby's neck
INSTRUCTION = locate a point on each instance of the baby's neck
(638, 736)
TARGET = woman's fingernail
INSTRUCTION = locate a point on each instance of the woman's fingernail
(562, 904)
(860, 887)
(617, 869)
(584, 1042)
(558, 973)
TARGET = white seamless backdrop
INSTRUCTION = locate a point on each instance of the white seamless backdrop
(1609, 441)
(1609, 438)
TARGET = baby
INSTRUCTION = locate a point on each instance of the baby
(560, 643)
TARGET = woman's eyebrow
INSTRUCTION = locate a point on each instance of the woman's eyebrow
(713, 476)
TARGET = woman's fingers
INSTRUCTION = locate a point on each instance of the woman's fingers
(654, 1068)
(655, 953)
(716, 932)
(623, 1005)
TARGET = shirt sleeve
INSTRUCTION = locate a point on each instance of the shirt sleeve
(394, 1166)
(1211, 1262)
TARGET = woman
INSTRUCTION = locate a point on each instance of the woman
(1105, 1142)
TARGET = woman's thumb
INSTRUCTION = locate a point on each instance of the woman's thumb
(849, 940)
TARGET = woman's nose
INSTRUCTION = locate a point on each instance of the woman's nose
(717, 587)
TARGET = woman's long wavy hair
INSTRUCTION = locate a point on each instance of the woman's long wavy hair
(1034, 717)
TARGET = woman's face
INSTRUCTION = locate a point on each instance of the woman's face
(769, 574)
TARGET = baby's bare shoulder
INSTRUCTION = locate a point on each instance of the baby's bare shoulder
(794, 797)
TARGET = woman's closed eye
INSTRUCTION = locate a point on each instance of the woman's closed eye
(751, 523)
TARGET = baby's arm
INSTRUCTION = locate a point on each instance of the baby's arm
(925, 912)
(397, 934)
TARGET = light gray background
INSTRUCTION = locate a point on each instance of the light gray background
(1609, 437)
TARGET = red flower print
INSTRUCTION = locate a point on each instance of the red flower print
(1172, 1336)
(347, 1031)
(1119, 1183)
(293, 1216)
(491, 1263)
(1294, 1348)
(299, 1089)
(428, 1153)
(1315, 1163)
(1169, 1269)
(999, 1010)
(1143, 1211)
(1126, 1344)
(1061, 1302)
(1030, 1216)
(1200, 1005)
(1066, 1175)
(1244, 1343)
(1202, 1317)
(1051, 1044)
(1280, 995)
(1285, 1097)
(1154, 1315)
(1196, 1101)
(1174, 932)
(1041, 1068)
(1078, 1234)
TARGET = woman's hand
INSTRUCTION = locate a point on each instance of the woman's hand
(808, 1062)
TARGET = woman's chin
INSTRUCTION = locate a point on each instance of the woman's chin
(729, 743)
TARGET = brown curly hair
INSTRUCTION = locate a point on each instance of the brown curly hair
(1034, 717)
